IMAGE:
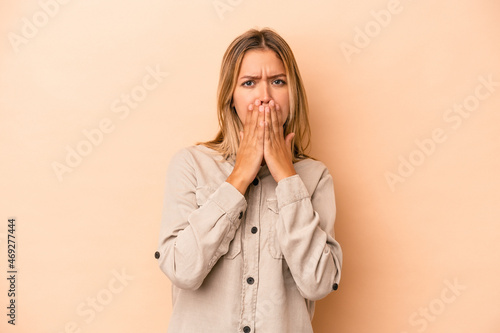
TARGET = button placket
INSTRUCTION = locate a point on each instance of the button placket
(255, 182)
(251, 249)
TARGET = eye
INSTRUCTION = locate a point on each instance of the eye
(279, 82)
(248, 83)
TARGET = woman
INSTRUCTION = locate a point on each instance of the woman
(247, 228)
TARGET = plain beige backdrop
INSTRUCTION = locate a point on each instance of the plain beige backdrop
(96, 96)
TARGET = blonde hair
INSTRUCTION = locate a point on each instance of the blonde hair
(227, 139)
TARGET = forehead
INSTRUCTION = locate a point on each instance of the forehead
(257, 60)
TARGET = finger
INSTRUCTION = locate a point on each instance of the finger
(258, 117)
(261, 123)
(288, 140)
(251, 124)
(270, 119)
(274, 121)
(279, 114)
(267, 127)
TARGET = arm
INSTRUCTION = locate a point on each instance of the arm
(305, 232)
(193, 238)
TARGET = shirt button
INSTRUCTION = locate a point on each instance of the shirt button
(241, 215)
(335, 286)
(250, 280)
(254, 230)
(246, 329)
(157, 254)
(255, 182)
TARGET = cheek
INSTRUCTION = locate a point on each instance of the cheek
(241, 104)
(284, 104)
(242, 113)
(286, 113)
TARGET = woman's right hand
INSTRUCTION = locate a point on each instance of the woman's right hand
(251, 150)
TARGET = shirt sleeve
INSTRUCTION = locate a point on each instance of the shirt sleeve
(305, 232)
(193, 237)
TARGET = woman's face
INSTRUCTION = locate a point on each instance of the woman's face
(262, 77)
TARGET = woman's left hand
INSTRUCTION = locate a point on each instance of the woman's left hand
(277, 148)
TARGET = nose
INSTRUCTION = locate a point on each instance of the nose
(265, 93)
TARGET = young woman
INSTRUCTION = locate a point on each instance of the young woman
(247, 233)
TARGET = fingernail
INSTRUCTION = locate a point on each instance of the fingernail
(261, 108)
(250, 107)
(257, 102)
(267, 109)
(271, 102)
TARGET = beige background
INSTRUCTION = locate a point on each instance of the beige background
(421, 253)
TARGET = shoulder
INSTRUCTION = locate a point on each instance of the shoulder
(313, 172)
(311, 167)
(193, 153)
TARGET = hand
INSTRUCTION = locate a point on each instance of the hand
(251, 150)
(277, 149)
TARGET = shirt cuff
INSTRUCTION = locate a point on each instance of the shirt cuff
(290, 190)
(230, 200)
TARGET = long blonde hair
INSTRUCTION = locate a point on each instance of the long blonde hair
(227, 139)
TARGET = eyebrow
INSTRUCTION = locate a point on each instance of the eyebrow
(258, 76)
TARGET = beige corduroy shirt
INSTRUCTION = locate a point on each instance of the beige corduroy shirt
(254, 263)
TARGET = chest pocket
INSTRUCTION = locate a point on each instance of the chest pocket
(202, 195)
(272, 241)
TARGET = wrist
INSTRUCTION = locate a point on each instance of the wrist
(238, 182)
(285, 175)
